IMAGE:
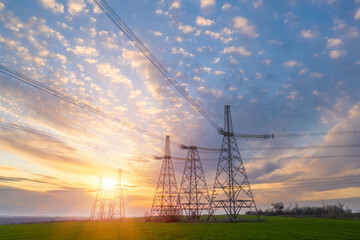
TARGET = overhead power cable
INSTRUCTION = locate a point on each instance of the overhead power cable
(302, 147)
(114, 17)
(43, 134)
(266, 158)
(309, 134)
(58, 94)
(187, 41)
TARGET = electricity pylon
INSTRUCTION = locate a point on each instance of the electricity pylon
(117, 208)
(165, 204)
(231, 190)
(95, 214)
(102, 204)
(109, 204)
(193, 193)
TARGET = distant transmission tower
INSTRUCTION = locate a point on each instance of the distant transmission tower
(101, 207)
(117, 208)
(231, 190)
(95, 214)
(165, 204)
(193, 193)
(109, 204)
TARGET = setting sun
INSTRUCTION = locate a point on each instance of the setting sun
(108, 183)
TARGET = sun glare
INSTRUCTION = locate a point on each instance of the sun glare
(108, 183)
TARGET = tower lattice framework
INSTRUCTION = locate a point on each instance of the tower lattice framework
(231, 190)
(101, 210)
(165, 205)
(109, 204)
(194, 196)
(117, 208)
(96, 208)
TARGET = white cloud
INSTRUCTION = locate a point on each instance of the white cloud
(181, 51)
(293, 95)
(244, 27)
(218, 72)
(156, 33)
(303, 71)
(186, 28)
(308, 34)
(226, 6)
(267, 61)
(331, 42)
(336, 53)
(49, 32)
(339, 24)
(357, 14)
(134, 94)
(257, 3)
(113, 73)
(318, 75)
(258, 75)
(83, 51)
(226, 31)
(90, 60)
(52, 5)
(291, 64)
(175, 5)
(207, 3)
(108, 40)
(62, 58)
(216, 60)
(240, 50)
(75, 6)
(214, 35)
(201, 21)
(352, 32)
(1, 6)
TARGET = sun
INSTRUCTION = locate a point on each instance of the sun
(108, 183)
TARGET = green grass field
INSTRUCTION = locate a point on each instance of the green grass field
(272, 228)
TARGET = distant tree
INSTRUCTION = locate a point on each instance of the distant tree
(278, 207)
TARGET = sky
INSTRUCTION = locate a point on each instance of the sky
(283, 66)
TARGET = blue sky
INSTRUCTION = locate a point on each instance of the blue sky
(283, 66)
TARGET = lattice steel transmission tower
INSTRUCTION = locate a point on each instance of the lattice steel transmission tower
(194, 195)
(109, 204)
(102, 204)
(231, 190)
(165, 205)
(96, 214)
(117, 208)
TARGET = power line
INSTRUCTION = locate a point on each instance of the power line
(58, 94)
(189, 44)
(302, 147)
(114, 17)
(32, 131)
(264, 158)
(309, 134)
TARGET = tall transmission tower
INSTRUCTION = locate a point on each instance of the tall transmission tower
(95, 214)
(165, 205)
(109, 204)
(102, 205)
(231, 190)
(194, 195)
(117, 208)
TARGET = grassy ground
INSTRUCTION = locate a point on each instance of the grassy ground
(272, 228)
